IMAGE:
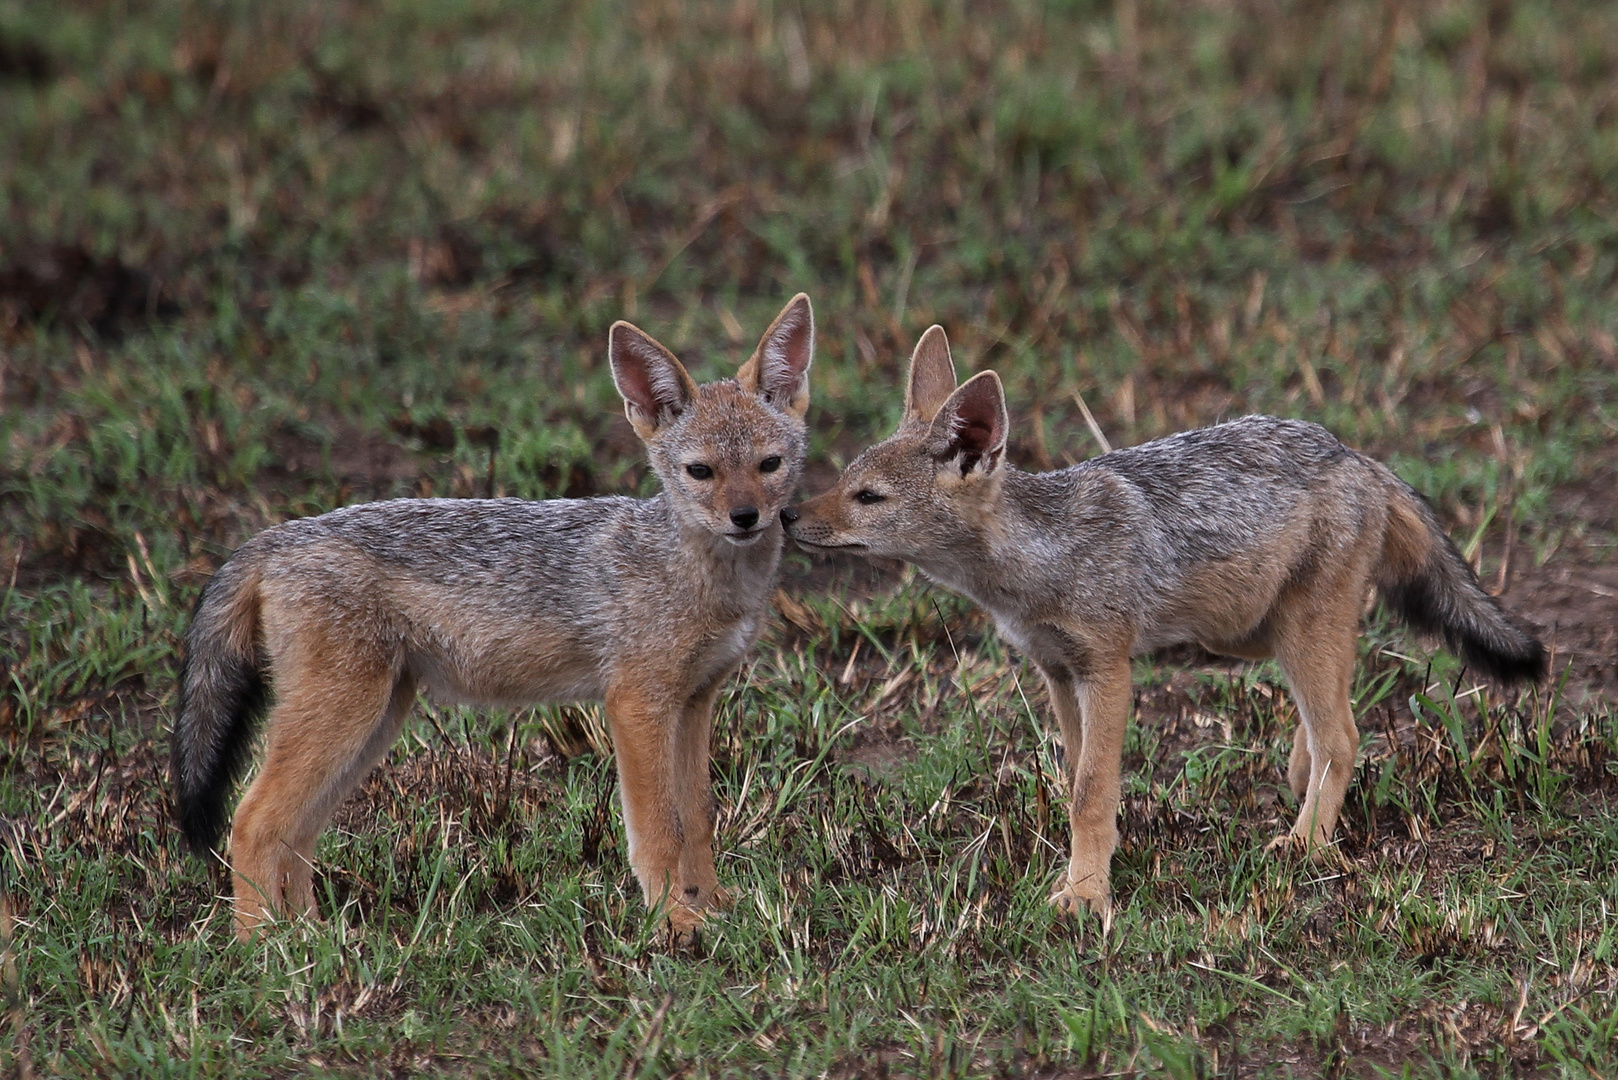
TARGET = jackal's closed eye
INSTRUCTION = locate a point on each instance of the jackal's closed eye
(867, 497)
(770, 464)
(699, 471)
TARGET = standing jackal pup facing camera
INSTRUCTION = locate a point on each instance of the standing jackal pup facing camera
(1255, 538)
(649, 604)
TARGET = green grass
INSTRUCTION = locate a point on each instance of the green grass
(262, 260)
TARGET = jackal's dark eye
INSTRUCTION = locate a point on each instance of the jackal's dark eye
(866, 496)
(699, 471)
(770, 464)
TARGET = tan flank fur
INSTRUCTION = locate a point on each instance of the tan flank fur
(1255, 538)
(336, 621)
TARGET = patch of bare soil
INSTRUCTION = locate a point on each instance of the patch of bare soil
(880, 753)
(24, 60)
(1575, 606)
(75, 288)
(368, 464)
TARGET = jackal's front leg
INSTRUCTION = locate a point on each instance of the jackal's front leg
(1092, 715)
(693, 793)
(656, 748)
(644, 719)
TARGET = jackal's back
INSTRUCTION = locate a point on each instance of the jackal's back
(1224, 491)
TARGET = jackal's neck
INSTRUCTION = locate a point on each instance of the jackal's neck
(1010, 536)
(715, 564)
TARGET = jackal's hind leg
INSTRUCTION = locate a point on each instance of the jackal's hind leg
(301, 859)
(1316, 653)
(1299, 764)
(327, 730)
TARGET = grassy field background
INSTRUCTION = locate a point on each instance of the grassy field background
(261, 260)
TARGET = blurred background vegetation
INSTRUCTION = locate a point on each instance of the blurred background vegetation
(237, 235)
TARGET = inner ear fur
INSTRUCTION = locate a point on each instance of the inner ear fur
(778, 370)
(971, 425)
(655, 386)
(932, 375)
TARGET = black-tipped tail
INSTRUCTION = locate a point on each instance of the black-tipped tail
(222, 696)
(1429, 585)
(1489, 641)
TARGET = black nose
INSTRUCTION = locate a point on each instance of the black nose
(744, 517)
(789, 514)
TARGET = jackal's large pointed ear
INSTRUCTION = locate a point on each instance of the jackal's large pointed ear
(970, 427)
(655, 386)
(932, 375)
(778, 370)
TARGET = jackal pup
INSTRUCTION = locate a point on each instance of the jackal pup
(649, 604)
(1255, 538)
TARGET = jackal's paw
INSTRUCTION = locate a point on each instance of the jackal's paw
(264, 921)
(1316, 849)
(684, 922)
(1074, 898)
(713, 898)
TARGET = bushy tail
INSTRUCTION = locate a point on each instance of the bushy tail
(1424, 579)
(222, 696)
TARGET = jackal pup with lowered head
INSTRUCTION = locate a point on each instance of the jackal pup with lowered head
(1255, 538)
(649, 604)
